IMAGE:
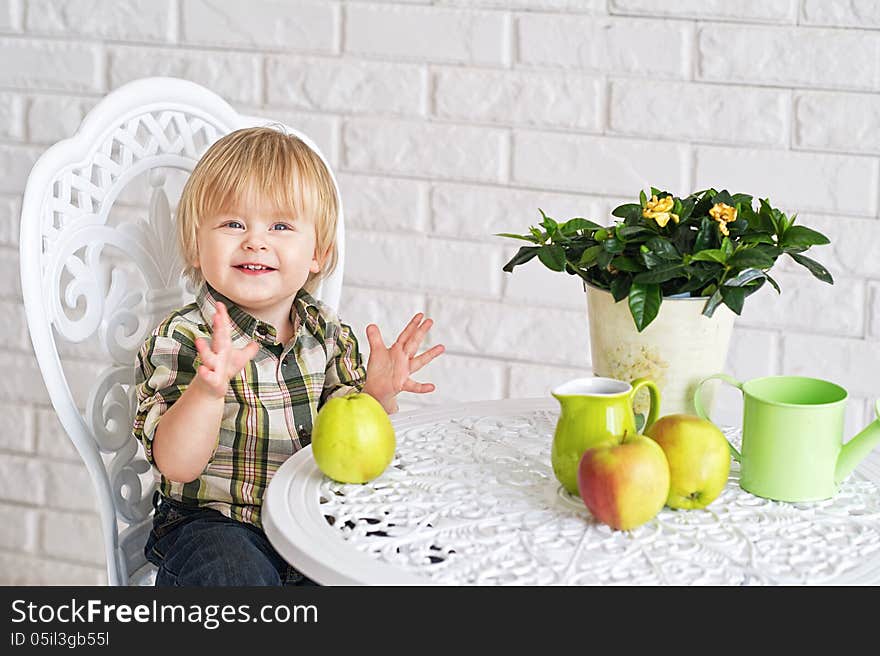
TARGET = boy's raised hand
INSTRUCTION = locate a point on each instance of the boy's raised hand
(389, 368)
(220, 361)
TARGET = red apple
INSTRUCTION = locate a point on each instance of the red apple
(626, 484)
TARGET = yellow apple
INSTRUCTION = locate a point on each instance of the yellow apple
(353, 439)
(626, 484)
(698, 456)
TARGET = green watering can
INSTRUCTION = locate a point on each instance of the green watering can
(594, 411)
(792, 437)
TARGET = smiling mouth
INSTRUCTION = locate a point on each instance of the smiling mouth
(254, 268)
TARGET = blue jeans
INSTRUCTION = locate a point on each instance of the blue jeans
(194, 546)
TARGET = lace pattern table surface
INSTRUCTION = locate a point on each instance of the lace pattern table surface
(470, 498)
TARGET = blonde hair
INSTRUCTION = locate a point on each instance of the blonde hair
(275, 164)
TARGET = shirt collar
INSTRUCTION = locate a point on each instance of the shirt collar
(304, 307)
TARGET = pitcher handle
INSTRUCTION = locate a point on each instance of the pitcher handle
(653, 392)
(701, 411)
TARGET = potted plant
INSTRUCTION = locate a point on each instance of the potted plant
(685, 267)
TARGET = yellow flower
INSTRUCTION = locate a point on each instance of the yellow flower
(723, 214)
(659, 210)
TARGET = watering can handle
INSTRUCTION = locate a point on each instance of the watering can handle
(701, 411)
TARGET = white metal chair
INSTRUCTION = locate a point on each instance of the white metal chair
(100, 268)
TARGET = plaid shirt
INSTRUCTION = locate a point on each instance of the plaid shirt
(270, 406)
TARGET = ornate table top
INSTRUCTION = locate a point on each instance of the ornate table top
(470, 498)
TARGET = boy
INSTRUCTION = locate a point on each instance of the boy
(228, 387)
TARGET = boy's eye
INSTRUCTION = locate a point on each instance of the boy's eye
(233, 224)
(281, 226)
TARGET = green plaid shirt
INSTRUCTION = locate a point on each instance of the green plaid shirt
(270, 406)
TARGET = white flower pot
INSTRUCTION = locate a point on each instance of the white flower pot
(678, 349)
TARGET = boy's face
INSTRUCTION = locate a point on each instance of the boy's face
(257, 256)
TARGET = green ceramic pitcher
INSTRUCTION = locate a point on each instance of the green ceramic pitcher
(792, 437)
(594, 410)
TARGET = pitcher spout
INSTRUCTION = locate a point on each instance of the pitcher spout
(857, 449)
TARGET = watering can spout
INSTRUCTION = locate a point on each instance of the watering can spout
(857, 449)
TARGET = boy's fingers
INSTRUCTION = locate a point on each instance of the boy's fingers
(245, 355)
(240, 357)
(221, 328)
(374, 337)
(420, 361)
(417, 388)
(207, 375)
(410, 328)
(415, 340)
(208, 356)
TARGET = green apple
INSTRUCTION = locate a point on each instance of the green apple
(699, 459)
(353, 439)
(626, 484)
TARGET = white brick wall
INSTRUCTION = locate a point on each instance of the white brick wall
(448, 121)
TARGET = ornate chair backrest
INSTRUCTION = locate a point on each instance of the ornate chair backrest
(100, 268)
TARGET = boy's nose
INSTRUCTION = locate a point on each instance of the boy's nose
(254, 244)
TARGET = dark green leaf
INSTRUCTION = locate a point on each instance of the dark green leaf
(626, 263)
(727, 248)
(784, 222)
(802, 236)
(626, 232)
(751, 257)
(662, 248)
(723, 197)
(770, 215)
(613, 246)
(643, 199)
(550, 226)
(813, 267)
(758, 238)
(620, 287)
(696, 283)
(707, 236)
(733, 297)
(588, 257)
(627, 210)
(523, 255)
(661, 274)
(710, 255)
(644, 303)
(574, 225)
(751, 288)
(652, 261)
(604, 259)
(769, 250)
(676, 207)
(686, 211)
(737, 227)
(552, 256)
(774, 283)
(742, 199)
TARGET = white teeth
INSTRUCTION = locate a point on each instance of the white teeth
(253, 267)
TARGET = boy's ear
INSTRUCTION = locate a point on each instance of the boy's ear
(318, 260)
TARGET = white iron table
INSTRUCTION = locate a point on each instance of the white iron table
(470, 499)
